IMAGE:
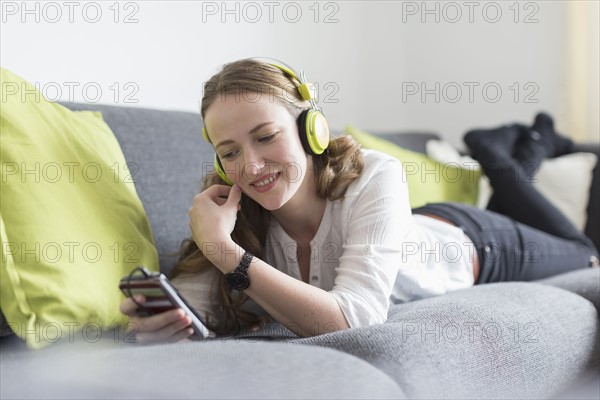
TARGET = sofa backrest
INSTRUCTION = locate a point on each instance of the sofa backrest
(168, 159)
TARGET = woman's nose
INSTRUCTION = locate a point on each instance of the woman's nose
(253, 165)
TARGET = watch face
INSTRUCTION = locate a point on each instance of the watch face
(237, 281)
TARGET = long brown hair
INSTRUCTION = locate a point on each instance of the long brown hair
(334, 170)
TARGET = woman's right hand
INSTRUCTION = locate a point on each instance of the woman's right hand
(169, 326)
(213, 215)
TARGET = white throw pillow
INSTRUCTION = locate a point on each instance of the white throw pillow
(565, 181)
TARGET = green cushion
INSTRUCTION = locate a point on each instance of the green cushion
(71, 222)
(428, 180)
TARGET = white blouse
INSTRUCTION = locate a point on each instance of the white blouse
(368, 251)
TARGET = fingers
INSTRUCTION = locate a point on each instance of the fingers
(221, 200)
(235, 195)
(217, 194)
(158, 321)
(220, 195)
(213, 218)
(216, 191)
(170, 326)
(129, 307)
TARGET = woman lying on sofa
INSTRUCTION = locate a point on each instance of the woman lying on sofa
(315, 231)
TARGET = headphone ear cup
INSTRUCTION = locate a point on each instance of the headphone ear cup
(303, 133)
(314, 131)
(221, 171)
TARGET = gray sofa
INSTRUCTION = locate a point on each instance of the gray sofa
(506, 340)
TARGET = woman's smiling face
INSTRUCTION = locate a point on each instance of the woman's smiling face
(256, 138)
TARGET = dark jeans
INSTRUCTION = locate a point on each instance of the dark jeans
(509, 250)
(522, 236)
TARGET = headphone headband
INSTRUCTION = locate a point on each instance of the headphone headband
(304, 87)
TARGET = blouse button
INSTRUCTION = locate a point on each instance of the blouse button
(315, 278)
(367, 249)
(487, 249)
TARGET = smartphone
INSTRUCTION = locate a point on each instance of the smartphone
(161, 296)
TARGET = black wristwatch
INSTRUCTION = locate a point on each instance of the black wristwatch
(238, 278)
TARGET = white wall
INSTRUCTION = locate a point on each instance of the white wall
(363, 55)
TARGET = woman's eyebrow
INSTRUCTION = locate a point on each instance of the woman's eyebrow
(252, 131)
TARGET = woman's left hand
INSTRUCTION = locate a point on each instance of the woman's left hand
(213, 215)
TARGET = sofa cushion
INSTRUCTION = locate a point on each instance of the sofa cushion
(501, 340)
(192, 370)
(71, 221)
(585, 282)
(169, 158)
(428, 180)
(519, 340)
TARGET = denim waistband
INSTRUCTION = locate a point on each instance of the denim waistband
(494, 237)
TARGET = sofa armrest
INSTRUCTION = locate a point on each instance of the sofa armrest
(592, 228)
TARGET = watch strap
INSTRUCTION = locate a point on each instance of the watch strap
(245, 263)
(238, 278)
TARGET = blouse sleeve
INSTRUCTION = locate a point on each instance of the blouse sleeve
(378, 220)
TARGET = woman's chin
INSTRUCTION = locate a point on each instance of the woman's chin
(272, 200)
(270, 205)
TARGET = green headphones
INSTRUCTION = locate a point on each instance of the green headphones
(312, 125)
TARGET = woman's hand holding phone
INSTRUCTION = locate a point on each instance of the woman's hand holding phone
(169, 326)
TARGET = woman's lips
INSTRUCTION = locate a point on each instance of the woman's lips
(266, 182)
